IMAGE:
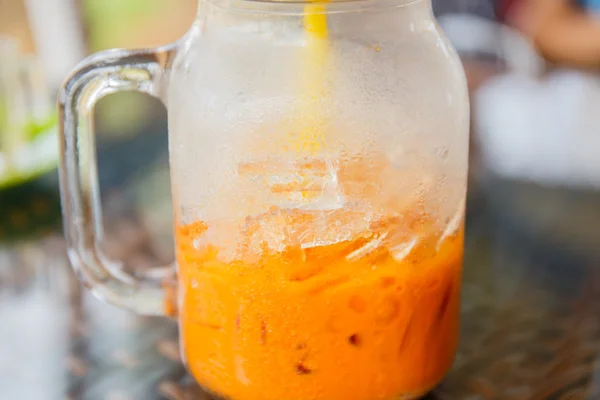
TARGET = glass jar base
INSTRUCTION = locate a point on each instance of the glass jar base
(205, 394)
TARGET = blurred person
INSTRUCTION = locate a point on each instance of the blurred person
(543, 127)
(566, 32)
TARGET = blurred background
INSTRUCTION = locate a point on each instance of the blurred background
(534, 208)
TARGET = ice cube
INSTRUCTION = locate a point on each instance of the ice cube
(283, 228)
(222, 235)
(401, 251)
(310, 184)
(454, 225)
(369, 247)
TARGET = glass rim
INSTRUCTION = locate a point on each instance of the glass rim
(296, 7)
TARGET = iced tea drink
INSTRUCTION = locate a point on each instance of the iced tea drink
(318, 155)
(359, 308)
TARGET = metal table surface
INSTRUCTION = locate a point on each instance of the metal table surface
(531, 298)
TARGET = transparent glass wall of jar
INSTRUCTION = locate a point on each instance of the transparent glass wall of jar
(319, 190)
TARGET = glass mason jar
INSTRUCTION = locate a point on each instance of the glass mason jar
(319, 168)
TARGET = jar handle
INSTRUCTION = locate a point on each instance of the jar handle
(99, 75)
